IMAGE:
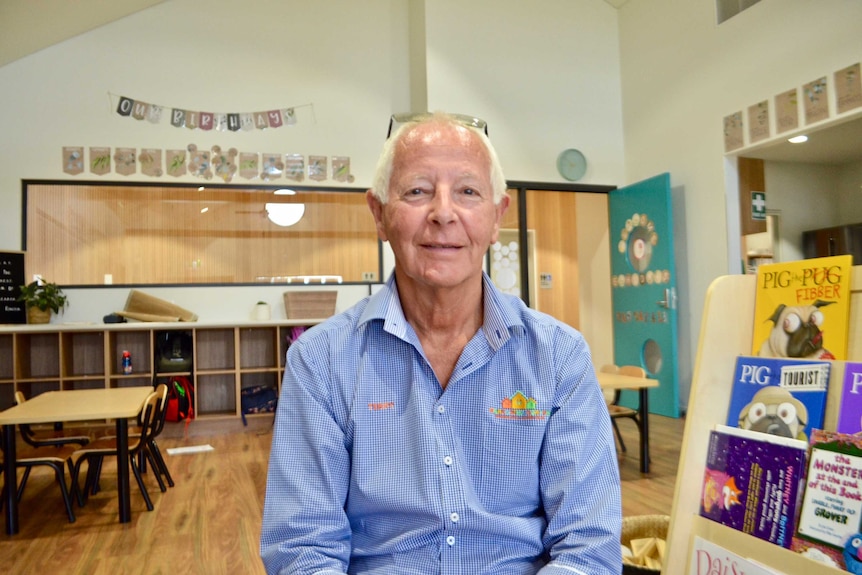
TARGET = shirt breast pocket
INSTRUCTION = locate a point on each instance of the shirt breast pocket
(510, 464)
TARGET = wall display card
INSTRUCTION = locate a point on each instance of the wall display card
(848, 88)
(124, 161)
(249, 165)
(151, 162)
(11, 280)
(787, 111)
(176, 162)
(272, 167)
(100, 161)
(815, 100)
(341, 169)
(829, 520)
(73, 159)
(294, 167)
(758, 122)
(317, 167)
(733, 132)
(850, 409)
(200, 162)
(224, 163)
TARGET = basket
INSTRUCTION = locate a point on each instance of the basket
(642, 526)
(309, 304)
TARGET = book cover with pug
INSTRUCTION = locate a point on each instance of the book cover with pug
(780, 396)
(802, 309)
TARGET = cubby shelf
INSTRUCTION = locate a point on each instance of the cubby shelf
(226, 357)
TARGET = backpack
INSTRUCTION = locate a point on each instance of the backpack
(257, 399)
(181, 400)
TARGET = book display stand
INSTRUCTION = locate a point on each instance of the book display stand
(726, 332)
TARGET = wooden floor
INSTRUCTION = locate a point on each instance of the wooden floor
(210, 522)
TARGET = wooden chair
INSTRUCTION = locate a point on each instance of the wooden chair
(97, 450)
(618, 411)
(160, 467)
(57, 459)
(41, 440)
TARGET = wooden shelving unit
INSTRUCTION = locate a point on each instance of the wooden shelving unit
(726, 332)
(226, 358)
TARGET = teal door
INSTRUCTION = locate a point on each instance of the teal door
(643, 288)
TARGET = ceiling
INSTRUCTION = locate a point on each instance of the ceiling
(27, 27)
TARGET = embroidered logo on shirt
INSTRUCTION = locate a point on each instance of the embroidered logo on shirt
(381, 406)
(519, 407)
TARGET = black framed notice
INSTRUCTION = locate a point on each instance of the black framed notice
(11, 280)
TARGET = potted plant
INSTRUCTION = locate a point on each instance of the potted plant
(261, 311)
(42, 298)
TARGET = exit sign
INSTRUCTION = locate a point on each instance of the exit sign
(758, 205)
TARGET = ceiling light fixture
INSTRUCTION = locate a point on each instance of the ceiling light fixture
(798, 139)
(284, 192)
(284, 215)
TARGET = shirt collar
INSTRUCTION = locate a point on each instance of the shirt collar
(502, 320)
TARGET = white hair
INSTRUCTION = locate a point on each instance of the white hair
(383, 171)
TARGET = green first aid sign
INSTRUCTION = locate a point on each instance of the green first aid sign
(758, 205)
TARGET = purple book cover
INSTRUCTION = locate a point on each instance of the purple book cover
(850, 412)
(753, 482)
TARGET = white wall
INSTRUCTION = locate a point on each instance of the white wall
(682, 74)
(849, 194)
(806, 197)
(545, 75)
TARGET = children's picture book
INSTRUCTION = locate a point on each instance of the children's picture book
(802, 308)
(707, 558)
(830, 517)
(752, 482)
(850, 409)
(779, 396)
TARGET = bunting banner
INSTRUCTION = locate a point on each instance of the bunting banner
(201, 120)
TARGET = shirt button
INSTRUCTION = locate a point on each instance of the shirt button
(441, 409)
(454, 517)
(450, 540)
(447, 460)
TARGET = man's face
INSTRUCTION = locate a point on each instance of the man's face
(440, 218)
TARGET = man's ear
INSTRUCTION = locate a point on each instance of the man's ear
(376, 208)
(501, 211)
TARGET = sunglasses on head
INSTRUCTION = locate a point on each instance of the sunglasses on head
(464, 120)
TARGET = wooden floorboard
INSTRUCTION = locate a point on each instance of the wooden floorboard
(210, 522)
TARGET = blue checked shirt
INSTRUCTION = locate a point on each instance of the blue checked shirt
(375, 469)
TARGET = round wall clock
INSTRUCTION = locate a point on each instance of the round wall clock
(571, 164)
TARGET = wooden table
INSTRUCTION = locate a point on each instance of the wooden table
(73, 405)
(617, 381)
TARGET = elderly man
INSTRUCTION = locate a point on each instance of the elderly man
(440, 426)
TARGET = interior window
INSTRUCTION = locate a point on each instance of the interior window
(96, 233)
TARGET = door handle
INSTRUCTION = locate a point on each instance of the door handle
(669, 300)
